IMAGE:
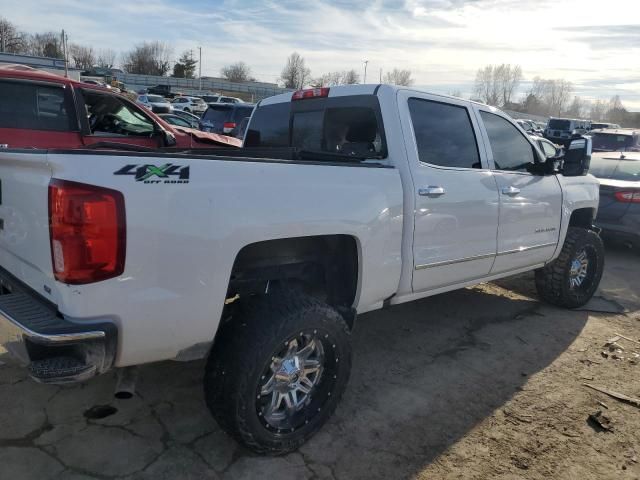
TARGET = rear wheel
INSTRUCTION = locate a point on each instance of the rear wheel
(572, 279)
(276, 374)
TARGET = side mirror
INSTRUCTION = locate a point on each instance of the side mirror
(168, 139)
(577, 157)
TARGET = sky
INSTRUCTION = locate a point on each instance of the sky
(595, 44)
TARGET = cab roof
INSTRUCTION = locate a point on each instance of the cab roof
(617, 131)
(358, 89)
(13, 70)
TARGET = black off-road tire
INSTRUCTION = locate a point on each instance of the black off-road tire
(553, 280)
(246, 345)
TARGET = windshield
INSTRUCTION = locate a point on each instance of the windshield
(156, 99)
(611, 142)
(557, 124)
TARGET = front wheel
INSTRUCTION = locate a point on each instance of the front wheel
(277, 372)
(571, 279)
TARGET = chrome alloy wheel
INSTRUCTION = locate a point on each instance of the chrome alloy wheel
(579, 269)
(291, 381)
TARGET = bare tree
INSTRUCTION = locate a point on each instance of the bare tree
(398, 77)
(548, 97)
(236, 72)
(616, 112)
(148, 58)
(105, 58)
(598, 110)
(486, 88)
(11, 40)
(350, 77)
(559, 92)
(82, 57)
(456, 93)
(295, 73)
(508, 79)
(497, 84)
(48, 44)
(345, 77)
(577, 108)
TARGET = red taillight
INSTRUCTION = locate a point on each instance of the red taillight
(88, 232)
(310, 93)
(228, 126)
(628, 197)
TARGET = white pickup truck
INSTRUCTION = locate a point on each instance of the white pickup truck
(343, 201)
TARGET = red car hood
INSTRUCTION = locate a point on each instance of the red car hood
(206, 139)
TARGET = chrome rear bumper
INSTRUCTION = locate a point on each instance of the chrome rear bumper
(53, 348)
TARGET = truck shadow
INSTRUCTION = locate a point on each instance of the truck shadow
(424, 374)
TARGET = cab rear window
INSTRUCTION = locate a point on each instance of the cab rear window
(34, 107)
(557, 124)
(350, 125)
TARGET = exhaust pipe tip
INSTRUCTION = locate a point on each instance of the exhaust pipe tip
(126, 383)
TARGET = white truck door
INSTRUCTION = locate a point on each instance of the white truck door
(530, 205)
(456, 206)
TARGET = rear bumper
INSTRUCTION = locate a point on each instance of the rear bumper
(53, 348)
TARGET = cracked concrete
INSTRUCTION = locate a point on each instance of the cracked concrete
(479, 383)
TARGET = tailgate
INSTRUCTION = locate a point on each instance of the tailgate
(24, 217)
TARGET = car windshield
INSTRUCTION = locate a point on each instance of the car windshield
(611, 141)
(557, 124)
(217, 114)
(156, 99)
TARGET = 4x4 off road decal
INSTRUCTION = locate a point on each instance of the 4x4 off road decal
(167, 173)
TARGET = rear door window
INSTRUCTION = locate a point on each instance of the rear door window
(35, 107)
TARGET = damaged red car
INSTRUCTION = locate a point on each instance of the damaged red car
(44, 110)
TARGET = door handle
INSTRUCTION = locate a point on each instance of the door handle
(431, 191)
(511, 191)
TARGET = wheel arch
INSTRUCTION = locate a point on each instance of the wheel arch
(325, 266)
(582, 217)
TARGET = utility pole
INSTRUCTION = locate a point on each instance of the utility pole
(365, 71)
(200, 68)
(64, 53)
(380, 75)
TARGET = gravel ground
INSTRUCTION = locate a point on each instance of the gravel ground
(485, 382)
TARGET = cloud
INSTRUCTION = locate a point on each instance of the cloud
(443, 42)
(606, 37)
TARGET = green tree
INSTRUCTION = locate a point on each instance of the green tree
(185, 67)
